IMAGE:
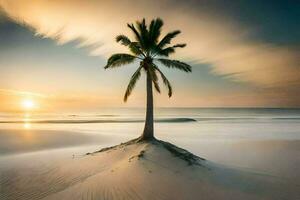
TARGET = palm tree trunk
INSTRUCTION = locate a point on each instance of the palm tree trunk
(148, 129)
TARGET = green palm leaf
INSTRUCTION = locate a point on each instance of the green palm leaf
(133, 46)
(123, 39)
(167, 39)
(136, 34)
(165, 80)
(168, 50)
(155, 29)
(119, 59)
(175, 64)
(182, 45)
(154, 78)
(143, 32)
(134, 78)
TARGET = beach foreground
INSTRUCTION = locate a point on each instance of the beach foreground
(141, 170)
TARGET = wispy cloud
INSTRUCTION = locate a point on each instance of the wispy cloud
(21, 93)
(215, 39)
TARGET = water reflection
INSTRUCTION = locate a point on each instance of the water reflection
(27, 125)
(26, 119)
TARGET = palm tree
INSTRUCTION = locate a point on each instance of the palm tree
(150, 50)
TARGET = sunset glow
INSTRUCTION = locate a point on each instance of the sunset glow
(236, 62)
(28, 104)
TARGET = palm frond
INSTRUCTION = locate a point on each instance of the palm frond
(134, 78)
(179, 45)
(167, 39)
(169, 50)
(123, 39)
(136, 34)
(166, 52)
(136, 49)
(155, 29)
(165, 80)
(156, 86)
(175, 64)
(143, 31)
(119, 59)
(154, 78)
(133, 46)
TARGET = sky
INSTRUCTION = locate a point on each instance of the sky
(243, 53)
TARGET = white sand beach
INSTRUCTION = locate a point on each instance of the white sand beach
(151, 170)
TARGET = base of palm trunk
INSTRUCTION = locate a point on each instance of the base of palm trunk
(190, 158)
(146, 137)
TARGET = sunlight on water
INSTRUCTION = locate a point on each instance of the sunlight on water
(26, 121)
(27, 125)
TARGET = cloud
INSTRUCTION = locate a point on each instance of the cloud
(212, 38)
(21, 93)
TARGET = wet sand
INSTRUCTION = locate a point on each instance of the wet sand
(14, 141)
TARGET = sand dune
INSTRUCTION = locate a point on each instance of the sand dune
(151, 170)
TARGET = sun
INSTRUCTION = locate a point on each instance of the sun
(28, 104)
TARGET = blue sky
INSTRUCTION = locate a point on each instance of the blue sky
(243, 53)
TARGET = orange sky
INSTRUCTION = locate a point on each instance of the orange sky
(56, 54)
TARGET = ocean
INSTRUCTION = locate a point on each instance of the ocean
(263, 140)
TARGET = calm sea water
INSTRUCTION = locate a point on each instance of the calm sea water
(137, 114)
(264, 140)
